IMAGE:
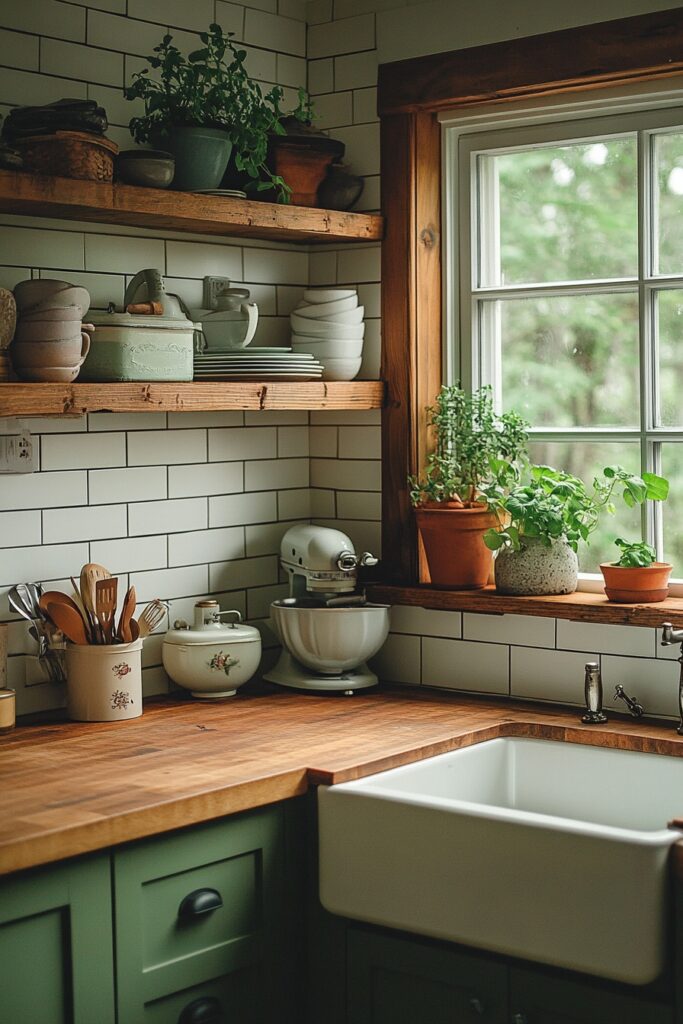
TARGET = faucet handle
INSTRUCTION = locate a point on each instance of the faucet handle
(671, 635)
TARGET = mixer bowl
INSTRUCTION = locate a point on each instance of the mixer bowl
(330, 640)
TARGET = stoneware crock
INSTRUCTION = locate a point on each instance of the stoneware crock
(104, 682)
(535, 569)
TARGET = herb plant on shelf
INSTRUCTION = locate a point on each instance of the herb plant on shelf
(204, 107)
(541, 523)
(477, 458)
(637, 575)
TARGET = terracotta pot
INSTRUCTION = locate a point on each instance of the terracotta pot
(626, 585)
(303, 170)
(453, 541)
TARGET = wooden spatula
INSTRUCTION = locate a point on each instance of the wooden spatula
(127, 609)
(69, 621)
(105, 606)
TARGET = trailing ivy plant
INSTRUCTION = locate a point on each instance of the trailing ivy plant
(637, 555)
(477, 454)
(554, 505)
(211, 88)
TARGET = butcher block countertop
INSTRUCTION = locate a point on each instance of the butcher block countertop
(70, 788)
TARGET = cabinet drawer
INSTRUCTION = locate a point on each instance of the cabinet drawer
(232, 999)
(196, 905)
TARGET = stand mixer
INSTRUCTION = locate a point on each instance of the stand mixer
(327, 628)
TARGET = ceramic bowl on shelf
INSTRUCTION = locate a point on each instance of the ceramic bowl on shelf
(334, 348)
(341, 369)
(349, 316)
(316, 296)
(49, 294)
(148, 168)
(323, 310)
(323, 329)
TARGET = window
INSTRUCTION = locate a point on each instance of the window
(564, 286)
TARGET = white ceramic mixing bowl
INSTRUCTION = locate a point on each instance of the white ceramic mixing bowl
(331, 640)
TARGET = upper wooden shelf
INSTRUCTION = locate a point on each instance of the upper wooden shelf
(579, 607)
(21, 399)
(163, 210)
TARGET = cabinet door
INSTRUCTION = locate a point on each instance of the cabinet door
(56, 952)
(396, 980)
(199, 905)
(540, 998)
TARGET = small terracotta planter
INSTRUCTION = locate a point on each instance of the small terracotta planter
(633, 585)
(453, 539)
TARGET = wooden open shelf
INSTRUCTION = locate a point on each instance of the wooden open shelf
(21, 399)
(580, 607)
(163, 210)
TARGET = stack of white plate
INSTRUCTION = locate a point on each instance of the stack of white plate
(328, 324)
(257, 364)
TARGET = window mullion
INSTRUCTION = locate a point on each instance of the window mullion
(649, 399)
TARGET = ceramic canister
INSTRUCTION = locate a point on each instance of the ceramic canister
(104, 682)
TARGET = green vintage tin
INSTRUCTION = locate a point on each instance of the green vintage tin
(126, 347)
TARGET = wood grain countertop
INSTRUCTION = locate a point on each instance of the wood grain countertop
(70, 788)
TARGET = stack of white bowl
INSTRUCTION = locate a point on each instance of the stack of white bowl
(328, 323)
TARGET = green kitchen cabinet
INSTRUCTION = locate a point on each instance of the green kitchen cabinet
(202, 915)
(56, 948)
(401, 980)
(542, 997)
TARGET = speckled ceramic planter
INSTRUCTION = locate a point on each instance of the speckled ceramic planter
(536, 569)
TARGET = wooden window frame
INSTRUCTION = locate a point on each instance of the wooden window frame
(411, 94)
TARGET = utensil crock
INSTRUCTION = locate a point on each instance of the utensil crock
(104, 682)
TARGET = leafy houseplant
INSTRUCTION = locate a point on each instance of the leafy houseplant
(203, 107)
(476, 459)
(637, 575)
(541, 524)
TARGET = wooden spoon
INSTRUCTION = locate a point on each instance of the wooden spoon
(69, 621)
(90, 574)
(57, 597)
(105, 606)
(127, 609)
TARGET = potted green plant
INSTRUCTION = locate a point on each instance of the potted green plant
(477, 456)
(542, 522)
(636, 575)
(203, 107)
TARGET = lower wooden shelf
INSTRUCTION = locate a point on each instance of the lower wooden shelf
(580, 607)
(22, 399)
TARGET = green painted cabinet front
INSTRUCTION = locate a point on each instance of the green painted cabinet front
(397, 980)
(56, 955)
(541, 997)
(201, 922)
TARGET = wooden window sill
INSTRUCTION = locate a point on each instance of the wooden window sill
(579, 607)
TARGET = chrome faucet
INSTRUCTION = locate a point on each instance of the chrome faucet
(593, 692)
(631, 703)
(675, 636)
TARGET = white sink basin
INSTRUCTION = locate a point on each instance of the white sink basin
(550, 851)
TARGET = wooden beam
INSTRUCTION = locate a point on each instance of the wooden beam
(163, 210)
(578, 607)
(624, 50)
(21, 399)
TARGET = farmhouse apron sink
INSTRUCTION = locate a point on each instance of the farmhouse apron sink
(550, 851)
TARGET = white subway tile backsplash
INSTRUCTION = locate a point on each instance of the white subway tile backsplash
(323, 504)
(360, 442)
(44, 490)
(205, 546)
(399, 660)
(241, 573)
(349, 475)
(82, 451)
(346, 35)
(239, 509)
(462, 665)
(19, 528)
(197, 259)
(274, 32)
(18, 50)
(587, 636)
(48, 248)
(359, 505)
(523, 630)
(358, 265)
(242, 443)
(112, 485)
(425, 621)
(88, 63)
(172, 516)
(152, 448)
(653, 683)
(292, 442)
(230, 17)
(276, 418)
(171, 583)
(183, 420)
(259, 599)
(334, 109)
(90, 522)
(355, 70)
(130, 555)
(294, 504)
(114, 32)
(364, 105)
(275, 266)
(176, 13)
(122, 254)
(265, 538)
(323, 442)
(279, 473)
(548, 675)
(205, 479)
(320, 76)
(127, 421)
(48, 561)
(47, 16)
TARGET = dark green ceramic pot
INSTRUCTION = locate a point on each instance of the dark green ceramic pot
(201, 156)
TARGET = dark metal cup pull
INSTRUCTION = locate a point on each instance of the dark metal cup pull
(201, 901)
(206, 1010)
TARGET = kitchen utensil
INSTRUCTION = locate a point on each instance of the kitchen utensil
(151, 617)
(128, 607)
(90, 574)
(134, 630)
(57, 597)
(105, 606)
(211, 659)
(78, 601)
(69, 621)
